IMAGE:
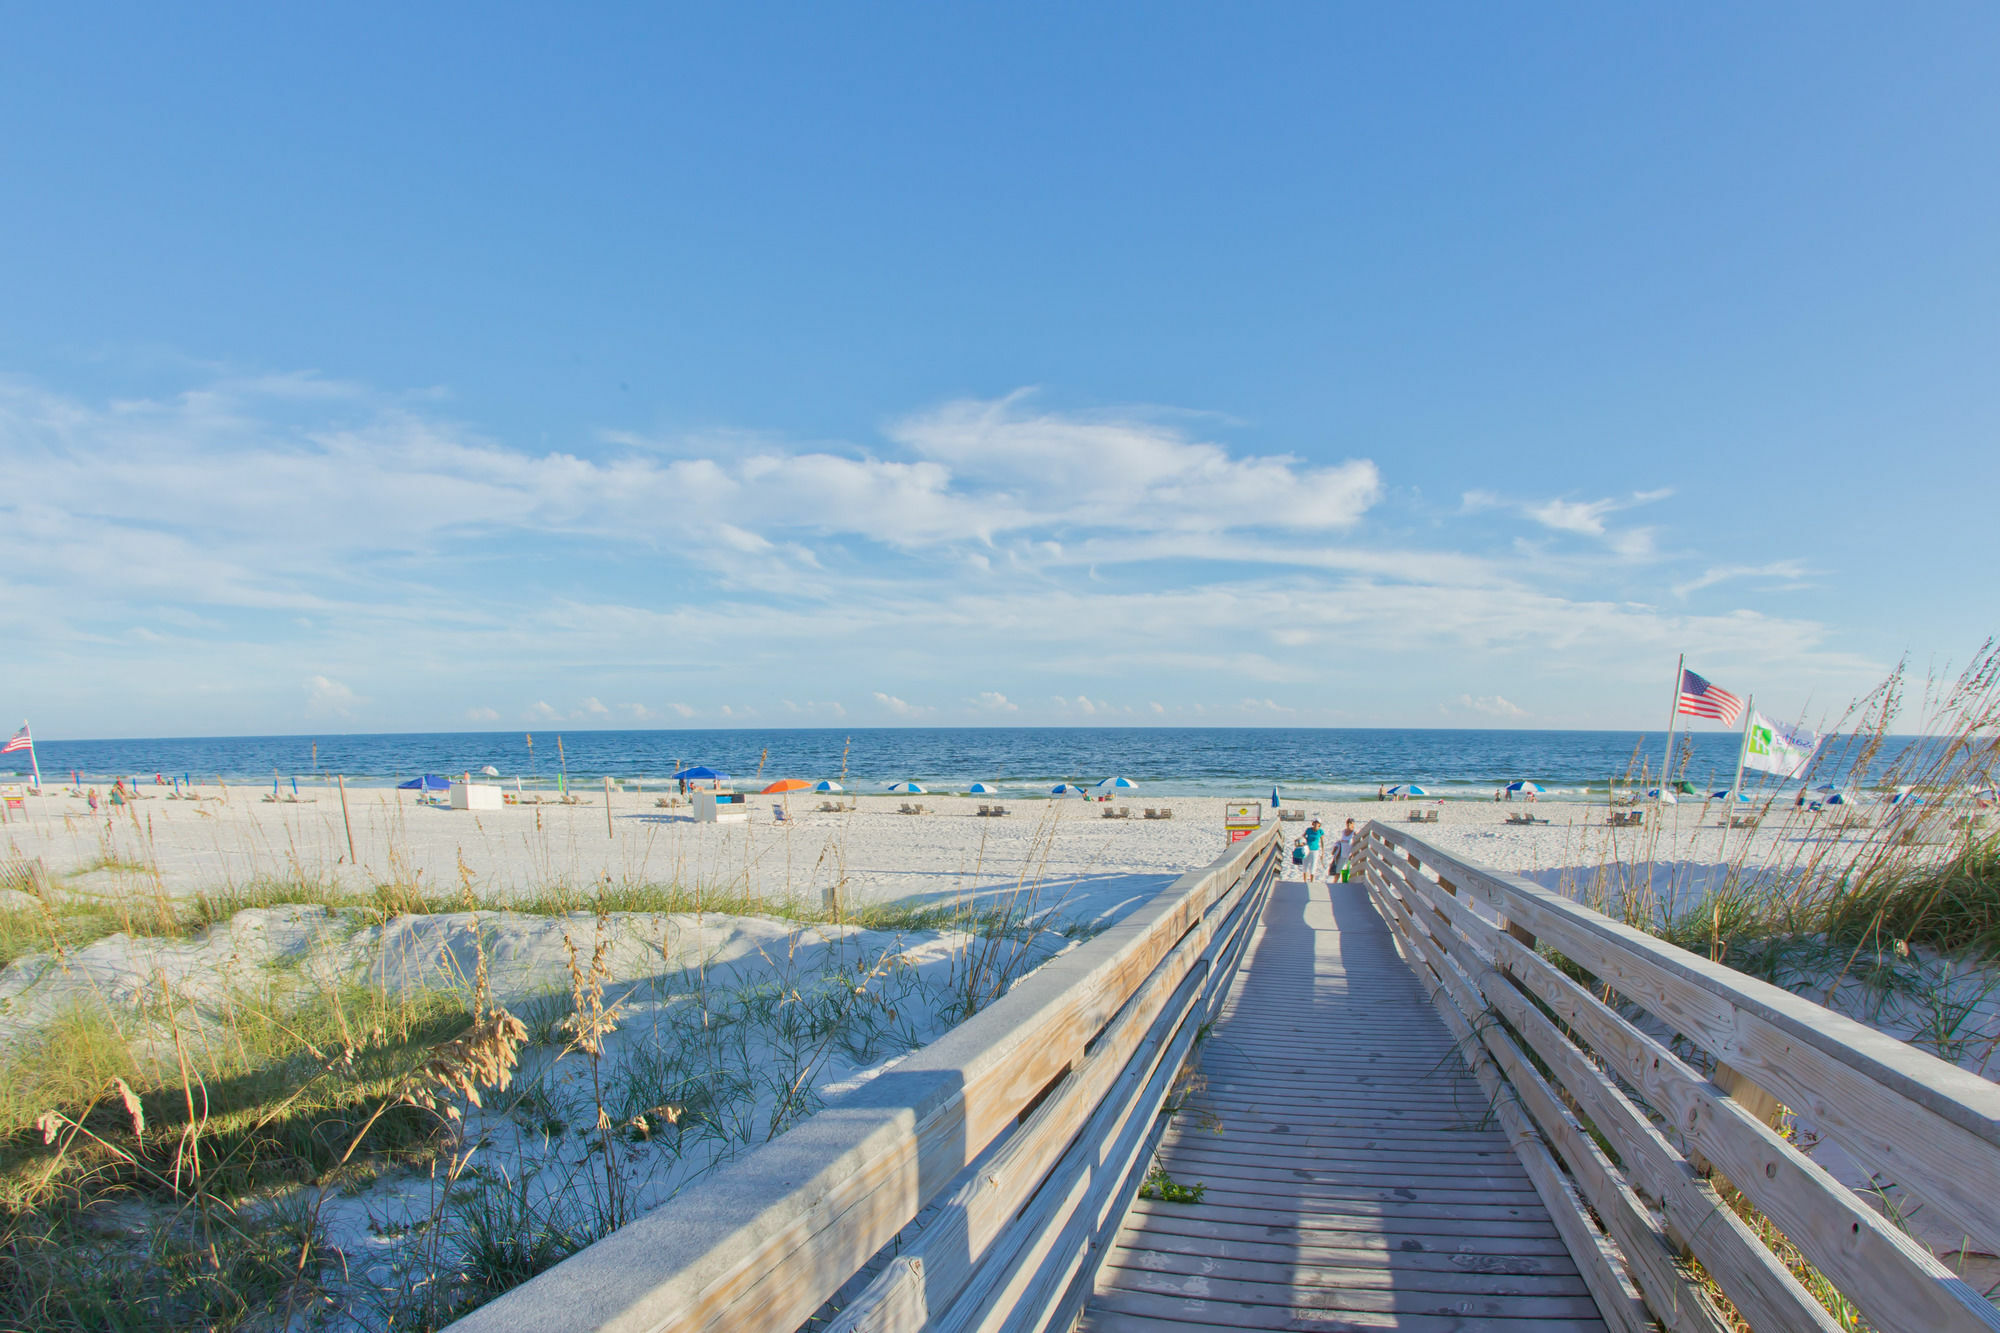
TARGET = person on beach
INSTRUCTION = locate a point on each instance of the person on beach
(1344, 850)
(1315, 835)
(1381, 792)
(92, 798)
(1299, 854)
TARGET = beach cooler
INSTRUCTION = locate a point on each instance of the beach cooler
(720, 807)
(475, 796)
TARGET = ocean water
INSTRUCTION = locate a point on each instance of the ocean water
(1022, 761)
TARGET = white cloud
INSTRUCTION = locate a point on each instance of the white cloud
(1121, 471)
(1493, 705)
(1785, 573)
(638, 712)
(326, 697)
(482, 715)
(900, 707)
(992, 701)
(540, 711)
(682, 710)
(592, 708)
(1582, 518)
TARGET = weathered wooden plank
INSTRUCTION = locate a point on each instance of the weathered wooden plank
(1694, 1217)
(1640, 1240)
(1920, 1121)
(1385, 1179)
(763, 1243)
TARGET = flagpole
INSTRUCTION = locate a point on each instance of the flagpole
(33, 763)
(1673, 715)
(1743, 750)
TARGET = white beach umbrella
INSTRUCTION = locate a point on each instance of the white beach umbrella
(981, 789)
(1117, 784)
(1663, 796)
(827, 784)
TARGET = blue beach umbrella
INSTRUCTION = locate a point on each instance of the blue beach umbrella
(1067, 789)
(1412, 789)
(827, 784)
(907, 789)
(1663, 796)
(981, 789)
(700, 775)
(1274, 798)
(1525, 785)
(1724, 795)
(428, 782)
(1117, 784)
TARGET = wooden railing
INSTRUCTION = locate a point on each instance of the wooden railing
(1636, 1079)
(1022, 1135)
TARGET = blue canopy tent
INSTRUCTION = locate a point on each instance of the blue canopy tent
(428, 782)
(700, 775)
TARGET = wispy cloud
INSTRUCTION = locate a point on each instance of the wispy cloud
(1082, 566)
(1779, 573)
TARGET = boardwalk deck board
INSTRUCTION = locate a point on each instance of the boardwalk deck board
(1357, 1180)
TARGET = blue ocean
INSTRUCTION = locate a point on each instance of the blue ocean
(1022, 761)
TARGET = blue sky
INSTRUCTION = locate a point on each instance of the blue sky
(1419, 365)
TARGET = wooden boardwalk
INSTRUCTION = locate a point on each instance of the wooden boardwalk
(1358, 1181)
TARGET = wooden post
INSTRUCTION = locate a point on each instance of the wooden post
(609, 832)
(347, 819)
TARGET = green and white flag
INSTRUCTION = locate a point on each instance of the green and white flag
(1778, 747)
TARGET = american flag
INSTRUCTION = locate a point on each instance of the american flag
(1700, 699)
(20, 740)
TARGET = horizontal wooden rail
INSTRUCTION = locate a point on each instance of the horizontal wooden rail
(1643, 1137)
(1030, 1127)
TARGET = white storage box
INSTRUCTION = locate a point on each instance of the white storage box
(474, 796)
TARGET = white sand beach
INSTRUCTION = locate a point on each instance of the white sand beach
(1093, 866)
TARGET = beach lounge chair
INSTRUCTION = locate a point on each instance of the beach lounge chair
(1292, 816)
(778, 814)
(985, 810)
(904, 809)
(1743, 821)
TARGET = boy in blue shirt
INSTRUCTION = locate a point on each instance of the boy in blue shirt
(1315, 835)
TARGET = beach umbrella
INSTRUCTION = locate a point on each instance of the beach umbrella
(428, 782)
(1723, 795)
(1117, 784)
(1274, 798)
(1412, 789)
(1663, 796)
(981, 789)
(1840, 798)
(490, 771)
(827, 784)
(1525, 785)
(1067, 789)
(784, 785)
(700, 775)
(907, 789)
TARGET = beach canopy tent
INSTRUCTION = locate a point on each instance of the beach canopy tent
(1525, 785)
(1067, 789)
(827, 784)
(1407, 789)
(907, 789)
(1117, 784)
(784, 785)
(981, 789)
(700, 775)
(1663, 796)
(428, 782)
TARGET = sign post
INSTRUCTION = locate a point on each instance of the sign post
(1242, 818)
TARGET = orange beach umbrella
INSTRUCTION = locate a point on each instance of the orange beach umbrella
(785, 784)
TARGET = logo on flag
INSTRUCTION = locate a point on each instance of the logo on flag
(20, 740)
(1698, 698)
(1775, 747)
